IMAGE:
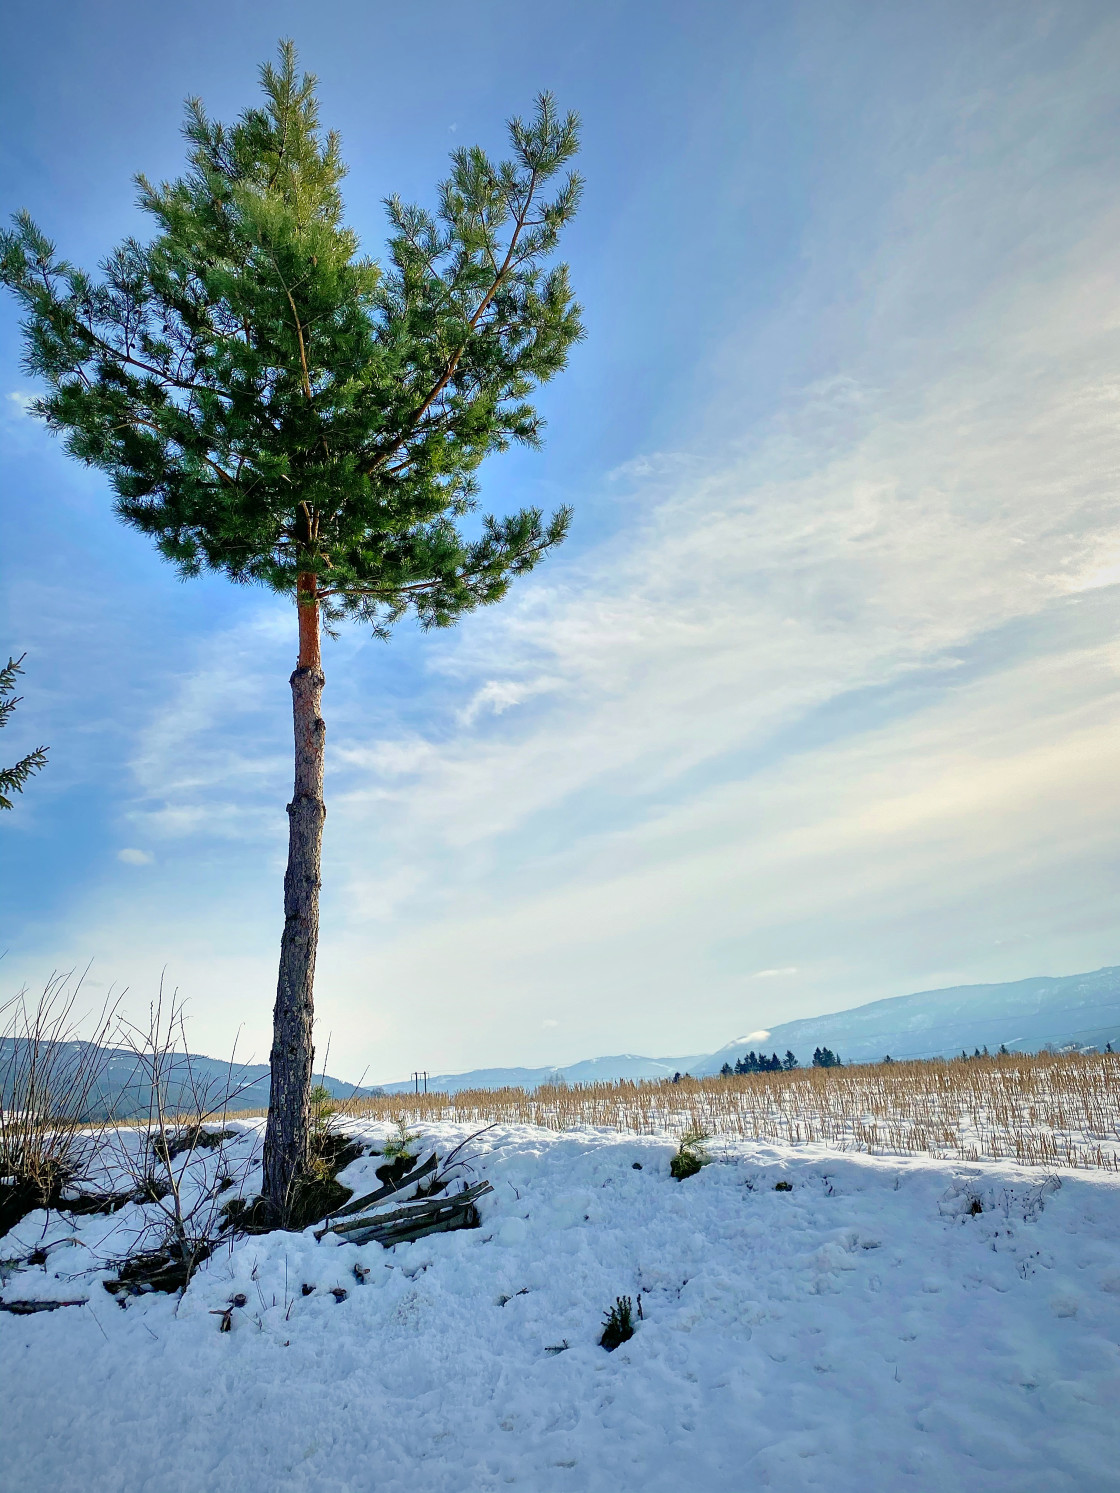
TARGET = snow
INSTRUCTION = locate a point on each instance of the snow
(867, 1331)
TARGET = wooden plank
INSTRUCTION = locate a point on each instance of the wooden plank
(404, 1233)
(462, 1218)
(417, 1205)
(388, 1189)
(423, 1207)
(404, 1224)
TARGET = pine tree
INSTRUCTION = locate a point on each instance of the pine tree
(790, 1062)
(12, 779)
(271, 405)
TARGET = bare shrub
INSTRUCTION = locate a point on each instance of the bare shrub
(160, 1153)
(48, 1083)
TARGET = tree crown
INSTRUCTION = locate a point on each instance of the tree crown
(270, 404)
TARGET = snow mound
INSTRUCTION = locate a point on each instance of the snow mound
(885, 1324)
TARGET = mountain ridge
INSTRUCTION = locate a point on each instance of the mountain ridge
(1023, 1015)
(1080, 1010)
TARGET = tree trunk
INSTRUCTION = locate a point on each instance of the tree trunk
(289, 1105)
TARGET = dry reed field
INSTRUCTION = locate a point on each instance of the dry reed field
(1049, 1110)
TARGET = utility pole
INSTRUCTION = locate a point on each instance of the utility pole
(420, 1077)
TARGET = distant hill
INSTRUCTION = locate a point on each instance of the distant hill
(121, 1091)
(590, 1070)
(1025, 1015)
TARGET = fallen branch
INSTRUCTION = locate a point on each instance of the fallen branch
(27, 1308)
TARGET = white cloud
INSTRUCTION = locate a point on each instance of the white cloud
(499, 695)
(133, 857)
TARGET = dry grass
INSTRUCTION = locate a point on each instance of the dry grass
(1047, 1110)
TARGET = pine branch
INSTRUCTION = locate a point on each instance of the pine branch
(12, 779)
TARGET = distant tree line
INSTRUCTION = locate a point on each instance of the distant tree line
(758, 1062)
(824, 1057)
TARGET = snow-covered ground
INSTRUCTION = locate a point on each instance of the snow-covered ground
(865, 1331)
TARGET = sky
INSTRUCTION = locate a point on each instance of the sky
(818, 702)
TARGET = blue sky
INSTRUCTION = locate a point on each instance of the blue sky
(819, 702)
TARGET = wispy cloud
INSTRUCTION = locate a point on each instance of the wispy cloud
(830, 714)
(202, 764)
(133, 857)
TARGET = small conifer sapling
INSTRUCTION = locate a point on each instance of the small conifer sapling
(618, 1324)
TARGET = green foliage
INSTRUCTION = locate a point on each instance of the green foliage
(824, 1057)
(399, 1146)
(12, 779)
(271, 404)
(618, 1324)
(323, 1111)
(692, 1154)
(400, 1158)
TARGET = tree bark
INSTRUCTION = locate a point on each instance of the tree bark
(288, 1127)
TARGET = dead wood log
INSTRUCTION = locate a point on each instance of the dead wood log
(416, 1208)
(420, 1209)
(27, 1308)
(460, 1218)
(414, 1220)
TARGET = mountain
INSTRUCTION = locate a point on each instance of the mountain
(590, 1070)
(1024, 1015)
(121, 1091)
